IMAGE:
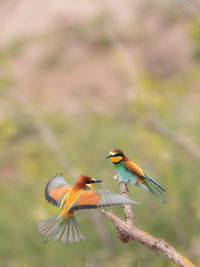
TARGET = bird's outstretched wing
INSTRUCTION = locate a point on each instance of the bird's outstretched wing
(55, 188)
(100, 198)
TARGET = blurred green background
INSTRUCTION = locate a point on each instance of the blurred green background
(78, 79)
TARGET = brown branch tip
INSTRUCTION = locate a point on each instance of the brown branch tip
(126, 232)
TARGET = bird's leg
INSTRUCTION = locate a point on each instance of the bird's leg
(116, 177)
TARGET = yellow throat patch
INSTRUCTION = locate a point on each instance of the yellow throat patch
(116, 159)
(90, 185)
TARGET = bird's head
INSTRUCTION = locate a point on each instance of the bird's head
(87, 182)
(116, 155)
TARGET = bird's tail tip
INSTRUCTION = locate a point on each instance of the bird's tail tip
(155, 188)
(58, 227)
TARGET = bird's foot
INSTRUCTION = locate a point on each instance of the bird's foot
(116, 177)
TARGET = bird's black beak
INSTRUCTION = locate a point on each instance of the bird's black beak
(109, 156)
(97, 181)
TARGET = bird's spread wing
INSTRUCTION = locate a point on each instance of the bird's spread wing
(100, 198)
(133, 167)
(55, 188)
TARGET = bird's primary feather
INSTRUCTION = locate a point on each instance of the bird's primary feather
(55, 189)
(151, 180)
(100, 198)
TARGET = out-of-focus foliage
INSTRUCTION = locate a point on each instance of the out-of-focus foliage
(195, 33)
(66, 91)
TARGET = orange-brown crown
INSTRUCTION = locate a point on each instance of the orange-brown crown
(83, 180)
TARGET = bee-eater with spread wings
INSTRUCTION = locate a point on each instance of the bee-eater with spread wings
(130, 172)
(70, 199)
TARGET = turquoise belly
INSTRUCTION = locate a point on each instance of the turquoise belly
(124, 174)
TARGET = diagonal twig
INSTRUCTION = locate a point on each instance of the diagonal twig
(126, 232)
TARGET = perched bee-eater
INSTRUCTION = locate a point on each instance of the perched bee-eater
(130, 172)
(70, 199)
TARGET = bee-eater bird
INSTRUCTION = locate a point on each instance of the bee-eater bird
(130, 172)
(70, 199)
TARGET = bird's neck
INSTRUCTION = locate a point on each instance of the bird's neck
(125, 158)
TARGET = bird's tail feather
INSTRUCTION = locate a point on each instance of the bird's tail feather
(154, 183)
(152, 186)
(156, 192)
(155, 188)
(60, 227)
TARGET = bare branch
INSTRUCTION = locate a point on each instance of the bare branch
(128, 212)
(132, 233)
(127, 232)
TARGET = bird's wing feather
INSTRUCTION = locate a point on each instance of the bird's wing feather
(145, 181)
(133, 167)
(151, 180)
(100, 198)
(55, 188)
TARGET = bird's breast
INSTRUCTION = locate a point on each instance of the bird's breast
(125, 175)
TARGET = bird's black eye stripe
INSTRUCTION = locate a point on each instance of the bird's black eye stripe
(118, 155)
(89, 182)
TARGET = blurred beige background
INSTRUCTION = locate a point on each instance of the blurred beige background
(78, 79)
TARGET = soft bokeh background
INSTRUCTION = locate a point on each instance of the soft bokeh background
(78, 78)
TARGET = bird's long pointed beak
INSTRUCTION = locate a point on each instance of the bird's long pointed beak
(109, 156)
(98, 181)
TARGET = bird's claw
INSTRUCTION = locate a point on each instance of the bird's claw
(116, 177)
